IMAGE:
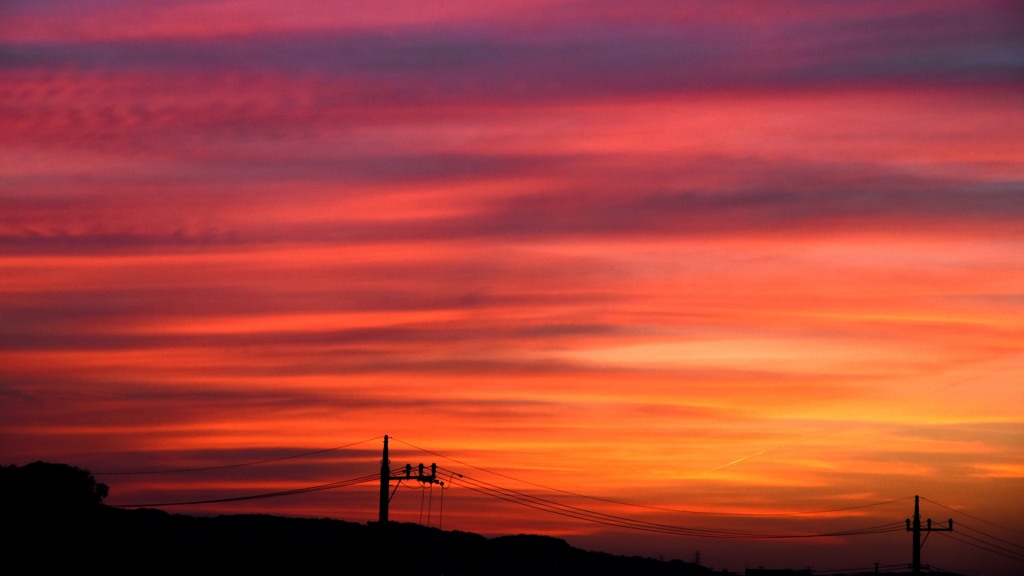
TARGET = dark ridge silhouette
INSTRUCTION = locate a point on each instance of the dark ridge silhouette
(55, 520)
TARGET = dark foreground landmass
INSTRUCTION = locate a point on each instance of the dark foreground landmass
(56, 521)
(140, 541)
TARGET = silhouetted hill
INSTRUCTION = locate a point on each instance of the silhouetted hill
(56, 521)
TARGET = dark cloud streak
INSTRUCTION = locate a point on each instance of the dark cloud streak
(573, 214)
(586, 62)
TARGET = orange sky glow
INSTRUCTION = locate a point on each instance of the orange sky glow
(714, 265)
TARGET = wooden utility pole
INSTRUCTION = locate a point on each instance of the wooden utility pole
(386, 478)
(385, 482)
(915, 527)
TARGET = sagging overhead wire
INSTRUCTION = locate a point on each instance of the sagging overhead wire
(306, 490)
(972, 516)
(553, 507)
(980, 539)
(294, 492)
(648, 507)
(984, 545)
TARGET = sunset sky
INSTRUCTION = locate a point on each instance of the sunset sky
(709, 263)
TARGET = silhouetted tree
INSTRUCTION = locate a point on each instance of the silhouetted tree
(52, 516)
(46, 488)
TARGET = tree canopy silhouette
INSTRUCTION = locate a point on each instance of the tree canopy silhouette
(47, 488)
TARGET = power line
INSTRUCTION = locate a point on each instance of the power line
(660, 508)
(306, 490)
(546, 505)
(973, 516)
(985, 541)
(1021, 547)
(241, 465)
(296, 491)
(987, 547)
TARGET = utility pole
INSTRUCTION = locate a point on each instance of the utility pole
(386, 478)
(915, 527)
(385, 482)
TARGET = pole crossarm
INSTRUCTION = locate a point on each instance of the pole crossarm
(421, 476)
